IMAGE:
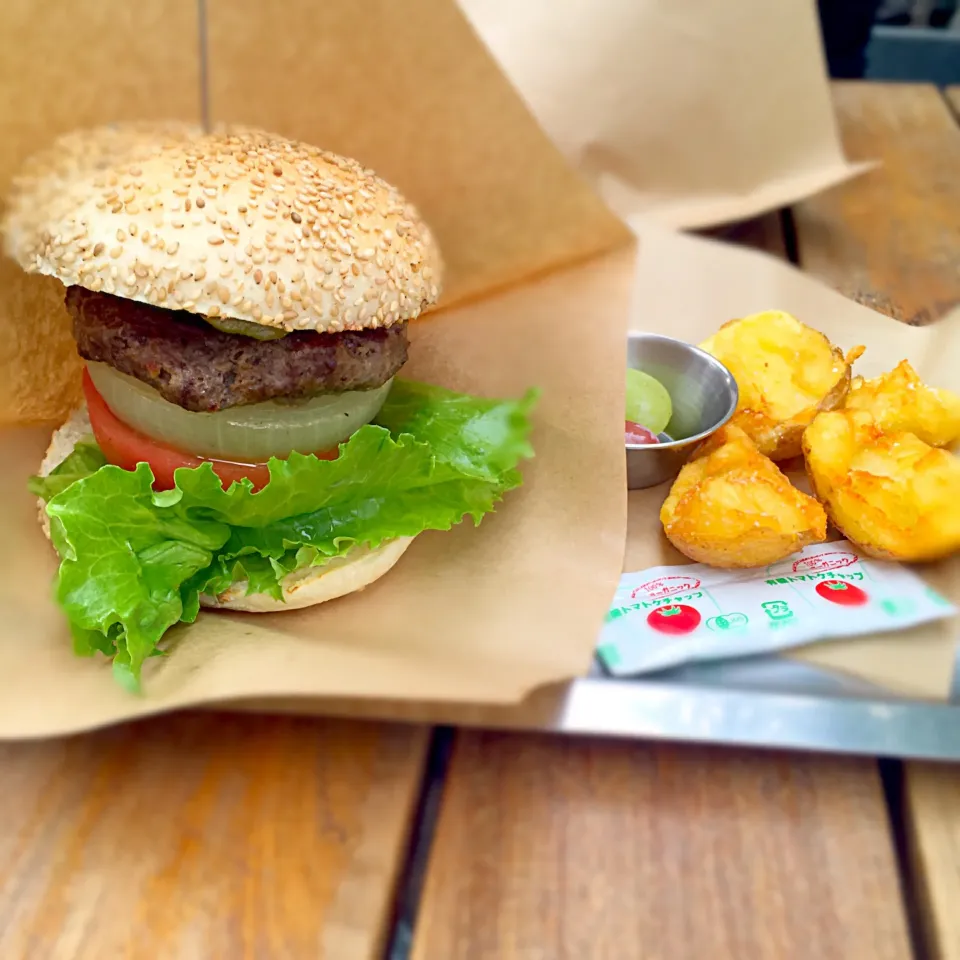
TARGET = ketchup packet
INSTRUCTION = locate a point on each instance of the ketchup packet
(667, 616)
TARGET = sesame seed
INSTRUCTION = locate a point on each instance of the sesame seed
(98, 249)
(296, 218)
(214, 241)
(115, 252)
(201, 203)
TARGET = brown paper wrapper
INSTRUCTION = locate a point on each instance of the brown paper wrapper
(64, 66)
(414, 94)
(478, 615)
(686, 287)
(693, 114)
(475, 615)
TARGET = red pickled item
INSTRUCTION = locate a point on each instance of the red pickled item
(637, 433)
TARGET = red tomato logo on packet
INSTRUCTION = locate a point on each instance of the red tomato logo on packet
(841, 593)
(675, 619)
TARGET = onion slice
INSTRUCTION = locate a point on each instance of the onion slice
(251, 433)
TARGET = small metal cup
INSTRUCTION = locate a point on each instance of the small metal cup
(704, 396)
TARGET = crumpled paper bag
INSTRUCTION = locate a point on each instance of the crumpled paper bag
(692, 113)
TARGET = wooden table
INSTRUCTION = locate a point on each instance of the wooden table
(221, 836)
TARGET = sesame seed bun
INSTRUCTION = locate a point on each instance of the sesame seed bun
(40, 184)
(302, 588)
(65, 438)
(243, 225)
(312, 585)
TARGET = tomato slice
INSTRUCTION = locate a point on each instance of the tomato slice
(125, 447)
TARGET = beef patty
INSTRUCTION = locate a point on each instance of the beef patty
(190, 363)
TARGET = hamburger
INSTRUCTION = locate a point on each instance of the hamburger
(242, 305)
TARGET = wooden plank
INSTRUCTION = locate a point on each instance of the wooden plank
(895, 236)
(198, 836)
(932, 810)
(891, 237)
(615, 851)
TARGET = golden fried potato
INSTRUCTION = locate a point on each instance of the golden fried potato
(731, 506)
(900, 401)
(894, 496)
(786, 373)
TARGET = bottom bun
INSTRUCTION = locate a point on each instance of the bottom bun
(312, 585)
(302, 588)
(65, 438)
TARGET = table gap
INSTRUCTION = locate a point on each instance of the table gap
(406, 900)
(788, 228)
(893, 783)
(951, 97)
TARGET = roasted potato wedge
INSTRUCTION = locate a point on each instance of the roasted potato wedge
(786, 373)
(900, 401)
(894, 496)
(731, 506)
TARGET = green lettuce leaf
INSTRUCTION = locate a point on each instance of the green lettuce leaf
(135, 561)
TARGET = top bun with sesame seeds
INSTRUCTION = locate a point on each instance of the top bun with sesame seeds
(242, 226)
(41, 183)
